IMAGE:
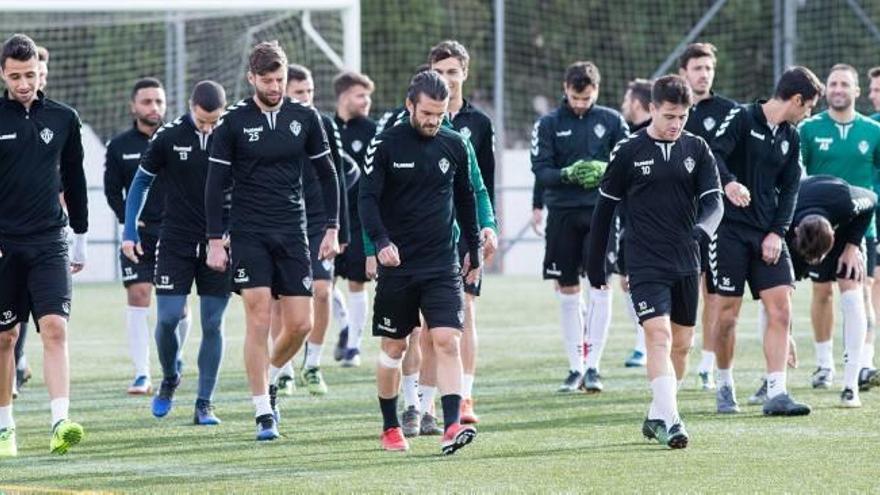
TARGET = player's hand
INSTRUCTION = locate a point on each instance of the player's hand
(372, 268)
(389, 256)
(78, 257)
(141, 224)
(738, 194)
(471, 274)
(490, 244)
(851, 263)
(792, 360)
(771, 248)
(132, 250)
(624, 283)
(329, 245)
(537, 221)
(217, 257)
(342, 248)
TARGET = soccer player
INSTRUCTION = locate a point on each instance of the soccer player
(261, 143)
(353, 99)
(451, 60)
(40, 153)
(756, 148)
(667, 181)
(416, 183)
(829, 225)
(301, 88)
(636, 110)
(577, 130)
(124, 152)
(697, 66)
(178, 155)
(842, 143)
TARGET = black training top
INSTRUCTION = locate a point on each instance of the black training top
(124, 153)
(475, 125)
(413, 189)
(848, 208)
(40, 153)
(356, 135)
(316, 213)
(705, 117)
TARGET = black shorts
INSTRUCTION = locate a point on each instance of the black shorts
(34, 279)
(709, 260)
(565, 252)
(739, 261)
(870, 255)
(143, 271)
(180, 263)
(475, 288)
(400, 298)
(673, 295)
(278, 261)
(826, 271)
(321, 269)
(351, 264)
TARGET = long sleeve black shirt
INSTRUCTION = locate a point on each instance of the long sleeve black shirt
(124, 153)
(476, 126)
(316, 212)
(848, 208)
(356, 135)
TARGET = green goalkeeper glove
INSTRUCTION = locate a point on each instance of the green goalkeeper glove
(586, 174)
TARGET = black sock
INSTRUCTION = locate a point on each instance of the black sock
(451, 409)
(389, 413)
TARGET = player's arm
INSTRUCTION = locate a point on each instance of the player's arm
(710, 206)
(318, 149)
(152, 161)
(336, 153)
(351, 170)
(485, 212)
(611, 192)
(486, 161)
(787, 183)
(619, 130)
(727, 137)
(371, 186)
(73, 179)
(806, 152)
(543, 155)
(114, 183)
(466, 207)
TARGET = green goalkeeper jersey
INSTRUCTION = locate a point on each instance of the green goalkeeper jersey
(850, 151)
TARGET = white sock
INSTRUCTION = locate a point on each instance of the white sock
(427, 398)
(572, 330)
(340, 312)
(825, 354)
(262, 405)
(640, 337)
(138, 339)
(868, 356)
(664, 404)
(60, 408)
(6, 420)
(598, 321)
(357, 318)
(411, 391)
(467, 386)
(313, 355)
(855, 324)
(775, 384)
(22, 363)
(274, 373)
(707, 362)
(287, 369)
(762, 320)
(183, 327)
(725, 377)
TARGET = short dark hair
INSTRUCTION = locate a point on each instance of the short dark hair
(581, 74)
(18, 47)
(144, 83)
(449, 49)
(349, 79)
(672, 89)
(845, 67)
(267, 56)
(296, 72)
(696, 50)
(874, 72)
(798, 80)
(208, 95)
(814, 237)
(42, 54)
(640, 90)
(428, 83)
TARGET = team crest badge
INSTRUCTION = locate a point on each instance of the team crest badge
(689, 164)
(465, 132)
(307, 283)
(709, 123)
(599, 130)
(444, 165)
(357, 145)
(46, 135)
(295, 127)
(784, 147)
(863, 146)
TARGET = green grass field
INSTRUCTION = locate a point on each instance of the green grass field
(530, 438)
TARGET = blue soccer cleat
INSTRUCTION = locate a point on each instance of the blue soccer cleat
(204, 413)
(267, 429)
(163, 400)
